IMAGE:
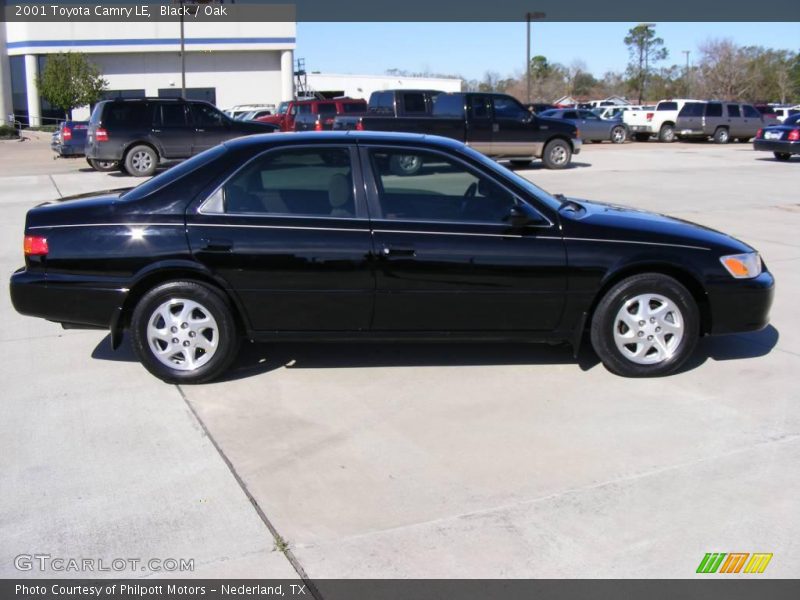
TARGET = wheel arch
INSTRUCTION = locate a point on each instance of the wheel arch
(178, 271)
(139, 142)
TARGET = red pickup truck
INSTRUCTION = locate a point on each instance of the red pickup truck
(310, 115)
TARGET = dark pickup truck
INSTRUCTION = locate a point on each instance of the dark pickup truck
(495, 124)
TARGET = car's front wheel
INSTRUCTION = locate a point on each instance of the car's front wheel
(184, 332)
(557, 154)
(646, 325)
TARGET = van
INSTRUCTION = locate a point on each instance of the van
(720, 121)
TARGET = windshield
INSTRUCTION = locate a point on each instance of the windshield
(282, 108)
(159, 181)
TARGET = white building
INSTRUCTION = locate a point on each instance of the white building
(226, 63)
(361, 86)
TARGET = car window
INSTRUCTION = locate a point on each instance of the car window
(750, 112)
(414, 103)
(733, 110)
(589, 115)
(170, 115)
(692, 109)
(570, 114)
(448, 105)
(667, 106)
(313, 182)
(426, 186)
(304, 109)
(124, 114)
(326, 109)
(207, 116)
(352, 107)
(479, 107)
(508, 108)
(713, 109)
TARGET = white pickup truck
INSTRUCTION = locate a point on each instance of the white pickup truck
(661, 122)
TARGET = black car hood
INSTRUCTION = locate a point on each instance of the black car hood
(613, 221)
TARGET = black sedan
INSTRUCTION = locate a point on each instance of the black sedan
(591, 128)
(315, 237)
(782, 140)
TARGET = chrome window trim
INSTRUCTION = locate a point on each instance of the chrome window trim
(470, 168)
(345, 146)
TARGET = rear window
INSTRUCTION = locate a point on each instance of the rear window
(667, 106)
(448, 105)
(326, 109)
(124, 114)
(692, 109)
(352, 107)
(382, 102)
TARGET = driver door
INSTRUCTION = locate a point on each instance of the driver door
(447, 258)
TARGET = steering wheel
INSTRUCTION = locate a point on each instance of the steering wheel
(469, 194)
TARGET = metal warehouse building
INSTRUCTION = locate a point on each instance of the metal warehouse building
(226, 63)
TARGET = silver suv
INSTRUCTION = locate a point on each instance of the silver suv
(721, 121)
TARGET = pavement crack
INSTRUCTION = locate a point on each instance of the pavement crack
(55, 185)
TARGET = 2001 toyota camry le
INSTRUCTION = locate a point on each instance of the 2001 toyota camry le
(323, 236)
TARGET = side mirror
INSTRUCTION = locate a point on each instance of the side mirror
(521, 215)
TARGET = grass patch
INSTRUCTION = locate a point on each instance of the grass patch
(281, 545)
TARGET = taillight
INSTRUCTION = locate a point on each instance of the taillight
(794, 135)
(759, 133)
(101, 135)
(318, 125)
(66, 134)
(359, 125)
(649, 116)
(35, 245)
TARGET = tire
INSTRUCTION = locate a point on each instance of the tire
(405, 165)
(141, 161)
(666, 134)
(180, 314)
(520, 164)
(676, 326)
(104, 166)
(721, 136)
(641, 137)
(557, 154)
(782, 156)
(618, 135)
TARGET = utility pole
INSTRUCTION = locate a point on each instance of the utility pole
(529, 16)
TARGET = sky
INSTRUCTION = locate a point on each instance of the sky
(471, 49)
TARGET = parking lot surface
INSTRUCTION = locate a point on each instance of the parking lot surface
(410, 460)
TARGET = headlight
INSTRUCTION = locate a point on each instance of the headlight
(742, 266)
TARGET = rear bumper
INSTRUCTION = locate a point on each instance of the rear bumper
(777, 146)
(64, 150)
(640, 128)
(104, 151)
(72, 302)
(743, 305)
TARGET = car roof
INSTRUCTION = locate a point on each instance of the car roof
(375, 137)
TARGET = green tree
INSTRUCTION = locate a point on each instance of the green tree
(644, 49)
(69, 80)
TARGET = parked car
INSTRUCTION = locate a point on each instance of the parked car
(495, 124)
(615, 111)
(240, 110)
(784, 112)
(70, 138)
(255, 114)
(720, 121)
(539, 107)
(313, 236)
(660, 122)
(140, 134)
(318, 115)
(390, 104)
(592, 128)
(768, 113)
(782, 140)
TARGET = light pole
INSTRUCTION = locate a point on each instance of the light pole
(688, 81)
(530, 16)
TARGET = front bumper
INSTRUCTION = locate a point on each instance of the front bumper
(742, 304)
(777, 146)
(68, 301)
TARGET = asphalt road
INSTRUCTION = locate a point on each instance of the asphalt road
(380, 460)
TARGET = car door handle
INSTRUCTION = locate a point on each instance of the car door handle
(495, 127)
(200, 130)
(217, 245)
(156, 131)
(388, 251)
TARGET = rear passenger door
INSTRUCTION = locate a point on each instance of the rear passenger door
(735, 121)
(752, 121)
(211, 127)
(289, 234)
(172, 129)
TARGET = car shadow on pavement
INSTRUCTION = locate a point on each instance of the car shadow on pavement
(258, 358)
(539, 166)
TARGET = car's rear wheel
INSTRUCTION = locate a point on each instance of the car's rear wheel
(184, 332)
(557, 154)
(618, 135)
(646, 325)
(141, 161)
(666, 134)
(721, 136)
(104, 166)
(782, 155)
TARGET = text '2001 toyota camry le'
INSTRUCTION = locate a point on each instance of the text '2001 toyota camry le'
(323, 236)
